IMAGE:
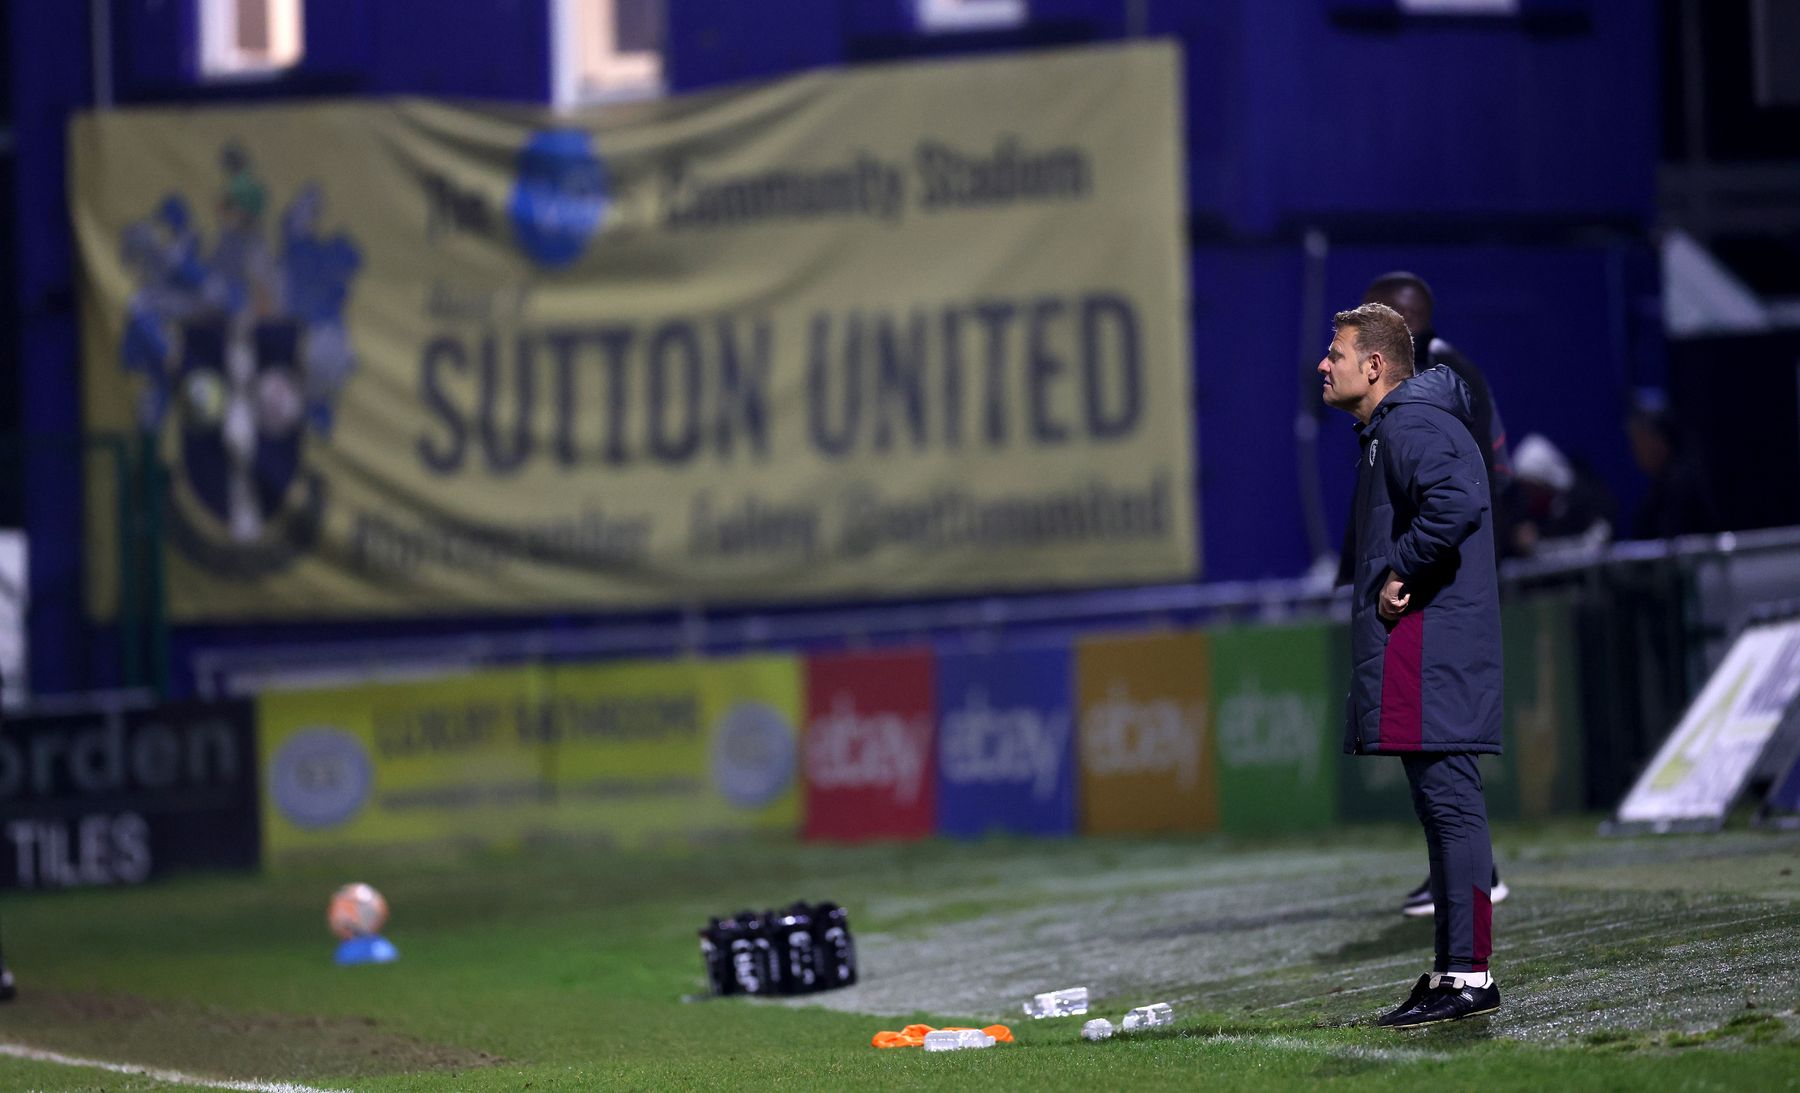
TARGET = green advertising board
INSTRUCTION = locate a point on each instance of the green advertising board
(1278, 716)
(1541, 773)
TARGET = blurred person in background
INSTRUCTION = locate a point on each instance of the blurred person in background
(1424, 632)
(1679, 501)
(1408, 294)
(1555, 504)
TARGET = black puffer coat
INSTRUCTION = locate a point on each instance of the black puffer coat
(1432, 680)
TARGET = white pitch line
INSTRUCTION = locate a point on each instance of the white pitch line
(1344, 1051)
(173, 1077)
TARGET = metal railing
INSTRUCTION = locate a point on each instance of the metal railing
(123, 642)
(1695, 591)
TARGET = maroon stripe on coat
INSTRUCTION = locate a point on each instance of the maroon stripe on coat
(1484, 931)
(1403, 685)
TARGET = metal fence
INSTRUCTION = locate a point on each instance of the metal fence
(1682, 598)
(117, 521)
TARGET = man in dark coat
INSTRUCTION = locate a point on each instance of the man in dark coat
(1408, 294)
(1425, 631)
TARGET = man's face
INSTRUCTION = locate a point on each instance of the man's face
(1409, 302)
(1343, 380)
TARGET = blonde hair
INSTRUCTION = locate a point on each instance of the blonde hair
(1380, 329)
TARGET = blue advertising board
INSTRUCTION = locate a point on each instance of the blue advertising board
(1006, 742)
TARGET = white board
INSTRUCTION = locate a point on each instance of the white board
(13, 575)
(1703, 765)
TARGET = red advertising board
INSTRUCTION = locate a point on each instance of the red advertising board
(868, 746)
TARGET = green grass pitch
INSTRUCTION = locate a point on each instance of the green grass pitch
(1652, 963)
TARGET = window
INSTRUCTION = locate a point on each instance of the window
(249, 37)
(954, 15)
(607, 49)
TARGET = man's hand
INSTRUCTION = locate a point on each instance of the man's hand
(1393, 599)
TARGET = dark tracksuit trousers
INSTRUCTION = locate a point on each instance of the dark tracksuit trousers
(1446, 793)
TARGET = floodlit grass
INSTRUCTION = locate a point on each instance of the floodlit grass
(1624, 964)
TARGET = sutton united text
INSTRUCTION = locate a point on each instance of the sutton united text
(1043, 372)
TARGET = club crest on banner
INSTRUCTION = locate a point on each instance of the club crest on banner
(240, 350)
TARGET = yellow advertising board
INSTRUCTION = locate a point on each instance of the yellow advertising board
(398, 763)
(649, 753)
(892, 330)
(1144, 710)
(634, 754)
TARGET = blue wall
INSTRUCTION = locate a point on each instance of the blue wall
(1298, 114)
(1512, 163)
(50, 77)
(1548, 324)
(1444, 121)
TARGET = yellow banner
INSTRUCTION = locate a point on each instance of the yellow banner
(902, 329)
(636, 754)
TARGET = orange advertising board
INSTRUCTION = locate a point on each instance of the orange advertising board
(1145, 714)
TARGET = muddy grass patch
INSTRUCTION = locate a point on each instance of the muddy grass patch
(126, 1028)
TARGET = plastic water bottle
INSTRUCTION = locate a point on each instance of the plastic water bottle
(945, 1039)
(1064, 1003)
(715, 956)
(834, 946)
(752, 957)
(1097, 1029)
(791, 945)
(1158, 1013)
(803, 948)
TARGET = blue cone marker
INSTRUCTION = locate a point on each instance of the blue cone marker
(372, 949)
